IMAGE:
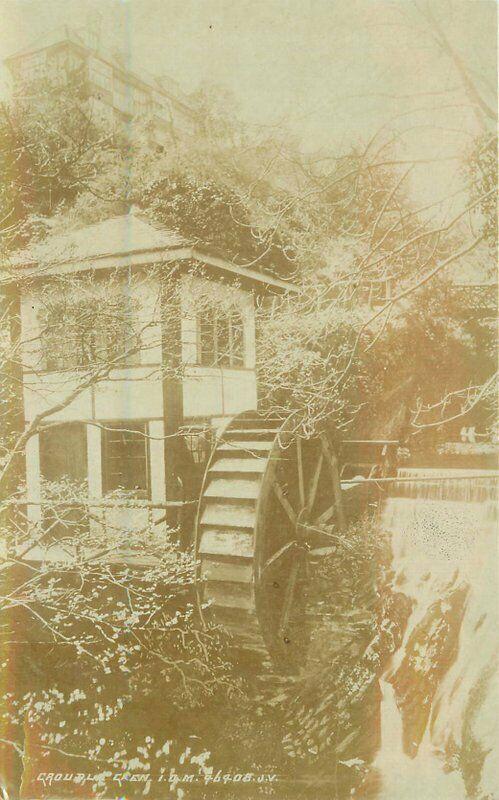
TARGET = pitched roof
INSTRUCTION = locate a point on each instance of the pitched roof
(63, 33)
(116, 241)
(124, 234)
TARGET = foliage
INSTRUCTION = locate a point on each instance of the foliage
(111, 608)
(304, 347)
(331, 714)
(317, 356)
(339, 225)
(481, 175)
(75, 171)
(320, 729)
(52, 147)
(205, 211)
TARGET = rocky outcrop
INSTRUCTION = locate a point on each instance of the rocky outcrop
(430, 652)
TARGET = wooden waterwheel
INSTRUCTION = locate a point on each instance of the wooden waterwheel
(269, 506)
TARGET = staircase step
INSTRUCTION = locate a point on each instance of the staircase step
(257, 422)
(249, 433)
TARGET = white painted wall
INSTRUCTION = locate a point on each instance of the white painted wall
(130, 393)
(44, 391)
(33, 479)
(135, 392)
(216, 391)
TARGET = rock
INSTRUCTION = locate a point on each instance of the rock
(430, 651)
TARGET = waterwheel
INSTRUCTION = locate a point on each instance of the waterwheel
(270, 504)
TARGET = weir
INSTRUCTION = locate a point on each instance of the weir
(439, 694)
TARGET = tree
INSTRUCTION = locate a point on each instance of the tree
(119, 606)
(113, 595)
(346, 226)
(380, 309)
(434, 26)
(481, 174)
(52, 147)
(199, 188)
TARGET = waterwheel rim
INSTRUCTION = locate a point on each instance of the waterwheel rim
(298, 518)
(293, 513)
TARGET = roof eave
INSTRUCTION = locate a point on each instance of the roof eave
(145, 257)
(241, 272)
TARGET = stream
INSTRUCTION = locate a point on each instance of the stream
(439, 693)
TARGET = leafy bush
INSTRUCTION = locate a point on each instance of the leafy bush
(113, 648)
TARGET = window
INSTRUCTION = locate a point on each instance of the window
(63, 452)
(122, 96)
(221, 339)
(32, 66)
(124, 458)
(77, 334)
(63, 464)
(100, 74)
(140, 101)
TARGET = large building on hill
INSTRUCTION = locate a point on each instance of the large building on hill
(118, 93)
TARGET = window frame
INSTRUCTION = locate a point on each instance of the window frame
(67, 345)
(124, 427)
(100, 74)
(122, 95)
(214, 317)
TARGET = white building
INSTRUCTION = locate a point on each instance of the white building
(119, 364)
(118, 93)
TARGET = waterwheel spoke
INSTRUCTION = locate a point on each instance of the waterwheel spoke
(330, 534)
(326, 515)
(288, 596)
(315, 482)
(322, 532)
(278, 554)
(301, 479)
(335, 478)
(288, 508)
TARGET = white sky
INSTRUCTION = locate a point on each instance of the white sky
(334, 70)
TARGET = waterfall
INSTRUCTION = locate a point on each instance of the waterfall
(439, 694)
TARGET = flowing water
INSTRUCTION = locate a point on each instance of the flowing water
(439, 693)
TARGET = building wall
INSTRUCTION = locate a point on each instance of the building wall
(117, 94)
(215, 391)
(135, 392)
(132, 392)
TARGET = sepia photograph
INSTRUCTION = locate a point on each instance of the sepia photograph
(248, 400)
